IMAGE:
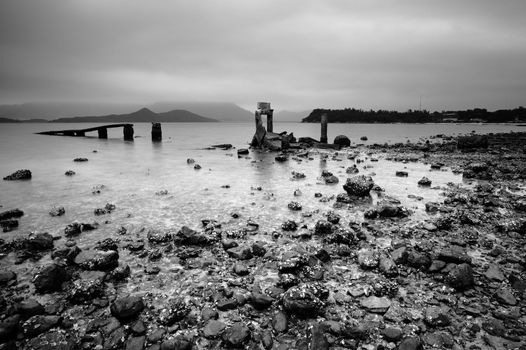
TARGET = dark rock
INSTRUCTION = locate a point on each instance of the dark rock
(209, 314)
(178, 343)
(213, 329)
(135, 343)
(138, 327)
(506, 297)
(7, 277)
(57, 211)
(454, 254)
(323, 255)
(289, 225)
(69, 173)
(280, 322)
(10, 214)
(29, 307)
(227, 304)
(439, 340)
(8, 225)
(323, 227)
(237, 335)
(416, 259)
(410, 343)
(294, 206)
(174, 311)
(190, 237)
(376, 305)
(39, 242)
(158, 237)
(359, 186)
(242, 151)
(266, 339)
(73, 229)
(241, 269)
(88, 287)
(342, 141)
(436, 317)
(50, 278)
(281, 158)
(472, 142)
(432, 207)
(392, 334)
(318, 339)
(425, 182)
(39, 324)
(260, 301)
(402, 173)
(352, 169)
(107, 244)
(19, 175)
(461, 277)
(303, 300)
(127, 307)
(67, 254)
(258, 249)
(242, 252)
(8, 328)
(436, 265)
(494, 327)
(80, 159)
(329, 178)
(97, 260)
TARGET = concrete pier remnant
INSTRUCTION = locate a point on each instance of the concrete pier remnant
(263, 108)
(157, 133)
(103, 133)
(324, 120)
(128, 132)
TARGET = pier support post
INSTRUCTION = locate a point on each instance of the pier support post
(157, 133)
(103, 133)
(128, 132)
(80, 133)
(324, 119)
(270, 125)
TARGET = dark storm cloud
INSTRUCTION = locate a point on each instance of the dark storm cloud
(297, 54)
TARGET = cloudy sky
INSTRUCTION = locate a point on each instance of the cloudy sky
(298, 54)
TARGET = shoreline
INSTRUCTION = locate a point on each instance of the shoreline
(453, 279)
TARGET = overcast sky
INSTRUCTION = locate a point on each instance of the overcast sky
(297, 54)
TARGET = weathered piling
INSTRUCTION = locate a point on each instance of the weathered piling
(323, 138)
(128, 132)
(270, 125)
(103, 133)
(157, 133)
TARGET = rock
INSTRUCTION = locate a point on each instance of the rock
(209, 314)
(57, 211)
(410, 343)
(80, 160)
(432, 207)
(439, 340)
(242, 151)
(494, 273)
(242, 252)
(359, 186)
(10, 214)
(424, 181)
(280, 322)
(363, 138)
(127, 307)
(88, 287)
(97, 260)
(303, 300)
(504, 296)
(50, 278)
(416, 259)
(294, 206)
(241, 269)
(190, 161)
(69, 173)
(260, 301)
(107, 244)
(436, 265)
(19, 175)
(436, 316)
(158, 237)
(173, 311)
(471, 142)
(188, 236)
(387, 266)
(197, 167)
(329, 178)
(227, 304)
(29, 307)
(342, 141)
(67, 254)
(8, 328)
(392, 334)
(258, 249)
(289, 225)
(135, 343)
(39, 324)
(454, 254)
(73, 229)
(368, 259)
(39, 242)
(323, 227)
(118, 274)
(8, 225)
(318, 339)
(402, 173)
(461, 277)
(236, 336)
(53, 340)
(376, 305)
(352, 169)
(213, 329)
(266, 339)
(180, 342)
(7, 277)
(281, 158)
(494, 327)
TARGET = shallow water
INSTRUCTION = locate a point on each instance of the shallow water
(132, 172)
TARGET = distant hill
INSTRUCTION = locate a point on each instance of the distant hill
(140, 116)
(8, 120)
(224, 111)
(290, 116)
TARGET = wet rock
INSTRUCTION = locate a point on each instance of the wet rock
(188, 236)
(107, 244)
(213, 329)
(359, 186)
(376, 305)
(294, 206)
(280, 322)
(242, 252)
(73, 229)
(260, 301)
(89, 286)
(173, 311)
(80, 159)
(281, 158)
(424, 182)
(297, 175)
(197, 167)
(402, 173)
(29, 307)
(323, 227)
(50, 278)
(461, 277)
(437, 317)
(494, 273)
(8, 225)
(53, 340)
(410, 343)
(352, 169)
(19, 175)
(57, 211)
(304, 300)
(39, 242)
(10, 214)
(432, 207)
(454, 254)
(97, 260)
(69, 173)
(333, 218)
(7, 277)
(329, 178)
(342, 141)
(9, 327)
(237, 335)
(159, 237)
(242, 151)
(368, 259)
(126, 307)
(258, 249)
(505, 296)
(318, 339)
(39, 324)
(386, 210)
(289, 225)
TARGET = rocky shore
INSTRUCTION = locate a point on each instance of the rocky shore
(357, 273)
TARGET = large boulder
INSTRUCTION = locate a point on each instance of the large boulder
(190, 237)
(304, 300)
(237, 335)
(359, 186)
(127, 307)
(39, 242)
(10, 214)
(19, 175)
(461, 277)
(342, 140)
(97, 260)
(50, 278)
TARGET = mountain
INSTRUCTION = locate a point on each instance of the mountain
(8, 120)
(290, 116)
(140, 116)
(224, 111)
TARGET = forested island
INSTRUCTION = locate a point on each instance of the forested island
(477, 115)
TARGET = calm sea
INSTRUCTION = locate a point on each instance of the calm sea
(130, 175)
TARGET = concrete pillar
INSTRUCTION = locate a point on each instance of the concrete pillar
(69, 133)
(323, 138)
(270, 125)
(157, 133)
(80, 133)
(103, 133)
(128, 132)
